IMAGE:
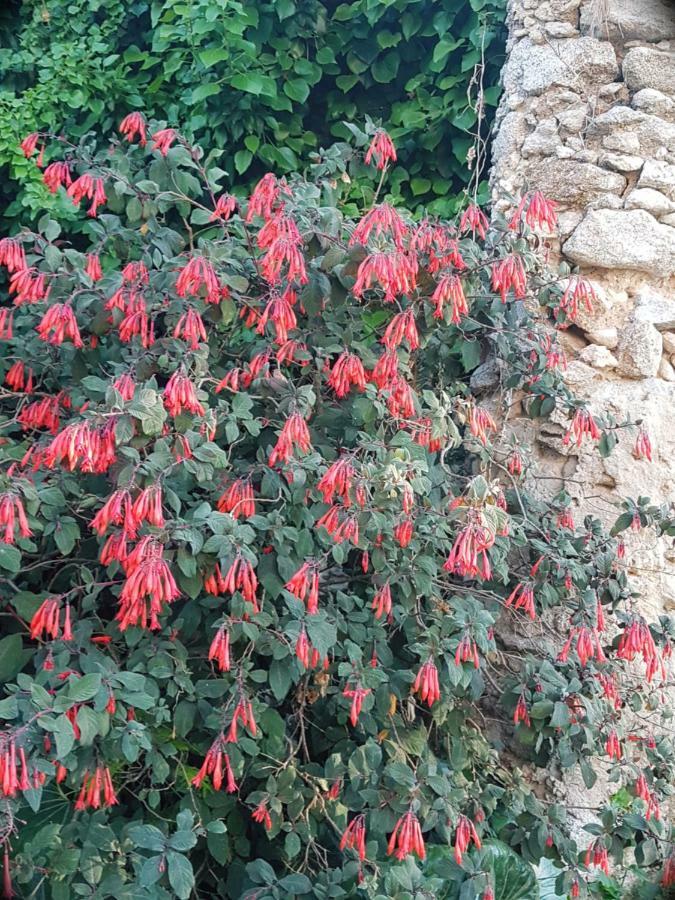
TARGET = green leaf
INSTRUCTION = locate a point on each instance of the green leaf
(242, 160)
(213, 55)
(12, 657)
(297, 89)
(202, 91)
(148, 837)
(84, 688)
(181, 876)
(280, 678)
(295, 884)
(10, 559)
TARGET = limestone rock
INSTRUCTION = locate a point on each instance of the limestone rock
(620, 162)
(568, 221)
(644, 67)
(668, 341)
(571, 182)
(655, 103)
(571, 62)
(658, 175)
(666, 371)
(654, 308)
(487, 376)
(669, 220)
(623, 239)
(543, 141)
(606, 337)
(631, 131)
(639, 350)
(598, 356)
(629, 20)
(574, 118)
(653, 201)
(560, 29)
(513, 130)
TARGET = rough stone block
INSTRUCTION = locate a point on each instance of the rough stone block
(655, 308)
(645, 67)
(639, 350)
(630, 20)
(570, 63)
(573, 183)
(623, 239)
(659, 175)
(652, 201)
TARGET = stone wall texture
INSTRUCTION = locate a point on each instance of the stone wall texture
(588, 117)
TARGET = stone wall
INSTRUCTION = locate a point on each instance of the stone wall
(588, 117)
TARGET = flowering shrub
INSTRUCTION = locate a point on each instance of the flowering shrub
(262, 543)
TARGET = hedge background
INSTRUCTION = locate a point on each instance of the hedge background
(268, 81)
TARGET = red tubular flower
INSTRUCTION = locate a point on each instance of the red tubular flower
(522, 597)
(81, 444)
(596, 855)
(582, 423)
(449, 290)
(480, 423)
(469, 557)
(28, 286)
(473, 220)
(243, 713)
(574, 889)
(305, 586)
(197, 274)
(93, 267)
(347, 371)
(294, 436)
(395, 272)
(337, 481)
(539, 212)
(340, 527)
(59, 324)
(148, 588)
(46, 622)
(467, 651)
(588, 645)
(180, 394)
(133, 126)
(238, 499)
(190, 328)
(402, 327)
(302, 648)
(643, 446)
(163, 139)
(406, 838)
(381, 150)
(219, 651)
(465, 833)
(668, 878)
(225, 206)
(261, 814)
(382, 601)
(386, 369)
(12, 518)
(97, 790)
(508, 274)
(578, 290)
(29, 143)
(241, 577)
(521, 714)
(357, 695)
(12, 255)
(403, 533)
(91, 188)
(215, 761)
(636, 640)
(613, 746)
(382, 220)
(279, 311)
(284, 254)
(565, 519)
(426, 683)
(515, 464)
(264, 197)
(354, 837)
(117, 510)
(147, 507)
(56, 175)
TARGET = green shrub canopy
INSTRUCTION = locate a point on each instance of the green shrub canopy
(263, 538)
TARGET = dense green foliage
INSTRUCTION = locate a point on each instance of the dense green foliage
(268, 81)
(154, 414)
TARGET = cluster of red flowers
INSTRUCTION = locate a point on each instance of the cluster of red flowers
(15, 772)
(97, 790)
(217, 766)
(406, 838)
